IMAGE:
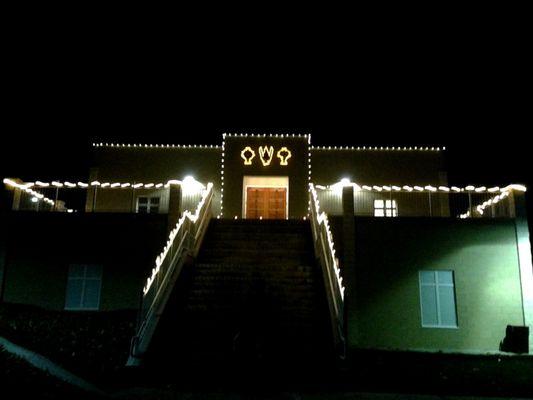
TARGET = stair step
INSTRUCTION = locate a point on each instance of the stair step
(250, 259)
(250, 274)
(254, 236)
(256, 224)
(258, 278)
(276, 252)
(257, 245)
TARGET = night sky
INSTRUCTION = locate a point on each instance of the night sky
(465, 92)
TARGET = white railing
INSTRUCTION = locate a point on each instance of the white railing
(421, 201)
(325, 253)
(183, 242)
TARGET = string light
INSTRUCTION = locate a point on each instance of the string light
(27, 188)
(83, 185)
(322, 219)
(427, 188)
(157, 146)
(187, 215)
(379, 148)
(504, 192)
(264, 135)
(246, 135)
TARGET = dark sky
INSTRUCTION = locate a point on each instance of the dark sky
(469, 90)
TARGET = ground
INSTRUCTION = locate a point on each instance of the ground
(97, 351)
(20, 380)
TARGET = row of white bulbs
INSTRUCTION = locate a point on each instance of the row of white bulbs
(27, 188)
(385, 148)
(264, 135)
(173, 233)
(322, 218)
(170, 146)
(222, 175)
(67, 184)
(480, 208)
(427, 188)
(211, 146)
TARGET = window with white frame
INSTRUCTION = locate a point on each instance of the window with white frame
(437, 299)
(83, 287)
(148, 205)
(385, 208)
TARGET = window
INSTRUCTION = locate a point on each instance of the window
(83, 287)
(385, 208)
(148, 205)
(437, 299)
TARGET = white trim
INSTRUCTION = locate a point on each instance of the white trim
(245, 187)
(436, 285)
(149, 203)
(84, 279)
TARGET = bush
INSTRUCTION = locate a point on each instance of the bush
(91, 344)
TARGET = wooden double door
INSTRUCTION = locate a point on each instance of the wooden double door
(266, 203)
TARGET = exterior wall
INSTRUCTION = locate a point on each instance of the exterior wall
(41, 246)
(3, 239)
(408, 204)
(150, 165)
(124, 200)
(160, 164)
(524, 257)
(297, 170)
(378, 167)
(385, 299)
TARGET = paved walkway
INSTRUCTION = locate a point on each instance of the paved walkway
(44, 364)
(140, 393)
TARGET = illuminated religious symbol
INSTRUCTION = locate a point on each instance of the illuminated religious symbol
(284, 154)
(247, 155)
(266, 154)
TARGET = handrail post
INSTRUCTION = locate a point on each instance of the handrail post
(518, 199)
(348, 233)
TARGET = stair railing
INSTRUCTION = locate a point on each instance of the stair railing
(325, 253)
(184, 242)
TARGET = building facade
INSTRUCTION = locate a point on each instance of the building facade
(416, 263)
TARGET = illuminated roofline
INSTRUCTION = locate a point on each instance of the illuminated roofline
(381, 148)
(156, 146)
(425, 188)
(217, 147)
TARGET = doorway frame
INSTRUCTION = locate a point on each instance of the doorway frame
(261, 181)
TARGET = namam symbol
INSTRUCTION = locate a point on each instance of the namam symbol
(266, 154)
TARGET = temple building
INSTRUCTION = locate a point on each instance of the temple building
(338, 248)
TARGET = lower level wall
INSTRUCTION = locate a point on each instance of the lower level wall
(41, 246)
(383, 304)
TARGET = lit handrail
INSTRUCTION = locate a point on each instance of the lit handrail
(184, 240)
(325, 253)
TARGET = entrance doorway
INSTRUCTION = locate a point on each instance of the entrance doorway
(265, 197)
(266, 203)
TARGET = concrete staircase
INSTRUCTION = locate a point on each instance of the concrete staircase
(255, 298)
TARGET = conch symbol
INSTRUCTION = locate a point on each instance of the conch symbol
(247, 155)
